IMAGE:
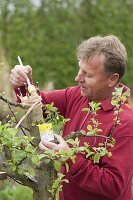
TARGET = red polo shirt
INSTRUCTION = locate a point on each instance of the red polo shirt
(111, 178)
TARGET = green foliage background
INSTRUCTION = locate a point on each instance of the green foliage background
(13, 191)
(45, 33)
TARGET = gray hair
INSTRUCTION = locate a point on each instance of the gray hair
(111, 47)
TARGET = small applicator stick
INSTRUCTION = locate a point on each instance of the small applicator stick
(21, 64)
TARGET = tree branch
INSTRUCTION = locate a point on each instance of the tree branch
(8, 101)
(81, 134)
(29, 110)
(20, 178)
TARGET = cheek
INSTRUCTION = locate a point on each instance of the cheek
(91, 82)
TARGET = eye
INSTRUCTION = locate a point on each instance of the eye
(89, 76)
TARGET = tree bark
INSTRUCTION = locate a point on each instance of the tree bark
(45, 176)
(34, 117)
(5, 72)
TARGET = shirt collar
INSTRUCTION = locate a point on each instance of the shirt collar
(106, 104)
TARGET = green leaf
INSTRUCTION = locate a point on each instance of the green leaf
(65, 180)
(67, 167)
(109, 154)
(57, 165)
(113, 102)
(96, 158)
(70, 141)
(127, 94)
(103, 151)
(35, 159)
(40, 156)
(89, 127)
(47, 161)
(13, 167)
(85, 109)
(89, 152)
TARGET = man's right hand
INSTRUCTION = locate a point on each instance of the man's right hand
(19, 75)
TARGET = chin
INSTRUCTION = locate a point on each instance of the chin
(83, 94)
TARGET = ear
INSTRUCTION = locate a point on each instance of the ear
(113, 80)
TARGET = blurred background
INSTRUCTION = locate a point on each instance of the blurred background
(46, 33)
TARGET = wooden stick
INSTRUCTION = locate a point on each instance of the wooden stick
(29, 110)
(21, 64)
(20, 61)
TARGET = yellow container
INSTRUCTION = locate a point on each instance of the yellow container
(46, 131)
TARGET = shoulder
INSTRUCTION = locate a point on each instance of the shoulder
(127, 113)
(75, 90)
(125, 128)
(72, 93)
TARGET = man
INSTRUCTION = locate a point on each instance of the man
(102, 64)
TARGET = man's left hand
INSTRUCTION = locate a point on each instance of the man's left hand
(62, 145)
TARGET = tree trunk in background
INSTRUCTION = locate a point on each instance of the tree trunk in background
(5, 85)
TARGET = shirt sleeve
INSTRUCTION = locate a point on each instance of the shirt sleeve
(59, 97)
(112, 175)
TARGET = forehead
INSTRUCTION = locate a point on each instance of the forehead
(95, 62)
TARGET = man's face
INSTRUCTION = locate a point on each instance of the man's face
(93, 80)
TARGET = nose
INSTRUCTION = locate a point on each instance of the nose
(79, 78)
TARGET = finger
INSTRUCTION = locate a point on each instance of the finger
(59, 138)
(16, 77)
(48, 144)
(28, 70)
(62, 143)
(42, 147)
(16, 81)
(18, 72)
